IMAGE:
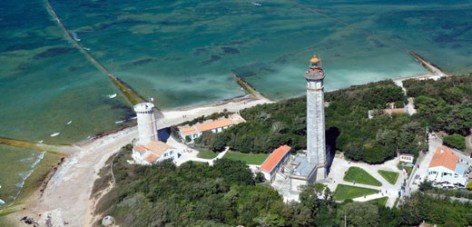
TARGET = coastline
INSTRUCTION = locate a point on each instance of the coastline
(74, 177)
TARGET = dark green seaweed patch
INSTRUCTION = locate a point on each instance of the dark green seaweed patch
(53, 52)
(212, 59)
(230, 50)
(141, 61)
(253, 69)
(125, 21)
(200, 51)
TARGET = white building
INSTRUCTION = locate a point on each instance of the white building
(153, 152)
(406, 158)
(409, 109)
(146, 117)
(148, 149)
(445, 169)
(191, 132)
(274, 162)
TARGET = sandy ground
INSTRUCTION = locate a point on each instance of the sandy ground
(180, 116)
(66, 199)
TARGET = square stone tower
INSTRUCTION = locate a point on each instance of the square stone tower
(316, 140)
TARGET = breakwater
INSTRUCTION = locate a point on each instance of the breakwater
(250, 90)
(131, 96)
(427, 65)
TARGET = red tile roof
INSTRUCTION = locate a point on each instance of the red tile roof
(444, 156)
(151, 151)
(151, 158)
(220, 123)
(275, 158)
(211, 124)
(187, 130)
(139, 148)
(157, 147)
(394, 111)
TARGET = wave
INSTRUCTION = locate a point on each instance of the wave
(27, 174)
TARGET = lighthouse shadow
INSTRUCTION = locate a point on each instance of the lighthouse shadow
(332, 135)
(163, 134)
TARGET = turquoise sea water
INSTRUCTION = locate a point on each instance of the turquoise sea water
(182, 53)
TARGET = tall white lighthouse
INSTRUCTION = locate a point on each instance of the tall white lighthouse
(316, 140)
(147, 127)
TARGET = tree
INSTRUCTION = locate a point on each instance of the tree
(311, 194)
(426, 185)
(259, 178)
(219, 143)
(359, 214)
(270, 220)
(234, 171)
(455, 140)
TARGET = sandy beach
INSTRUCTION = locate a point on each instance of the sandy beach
(66, 199)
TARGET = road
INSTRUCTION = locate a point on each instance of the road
(420, 172)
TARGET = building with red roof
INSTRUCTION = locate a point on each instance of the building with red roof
(191, 132)
(445, 168)
(153, 152)
(275, 161)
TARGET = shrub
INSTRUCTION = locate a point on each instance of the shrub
(426, 185)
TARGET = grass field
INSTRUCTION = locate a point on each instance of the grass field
(248, 158)
(206, 154)
(380, 201)
(358, 175)
(390, 176)
(344, 192)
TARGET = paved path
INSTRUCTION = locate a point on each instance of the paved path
(191, 154)
(420, 173)
(369, 197)
(340, 166)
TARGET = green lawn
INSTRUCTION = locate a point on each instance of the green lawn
(248, 158)
(380, 201)
(408, 168)
(390, 176)
(358, 175)
(206, 154)
(344, 192)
